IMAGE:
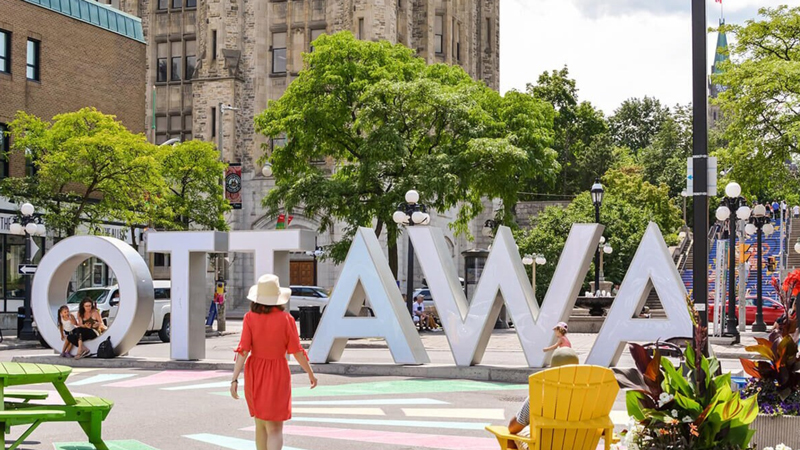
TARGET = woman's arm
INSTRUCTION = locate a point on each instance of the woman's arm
(303, 361)
(552, 347)
(237, 369)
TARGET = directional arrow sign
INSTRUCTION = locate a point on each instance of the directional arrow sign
(27, 269)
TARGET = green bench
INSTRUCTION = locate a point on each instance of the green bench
(27, 396)
(89, 412)
(9, 418)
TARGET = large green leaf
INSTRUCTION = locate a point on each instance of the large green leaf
(675, 379)
(633, 401)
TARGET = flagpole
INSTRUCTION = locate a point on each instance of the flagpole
(153, 126)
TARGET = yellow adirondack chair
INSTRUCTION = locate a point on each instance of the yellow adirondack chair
(569, 407)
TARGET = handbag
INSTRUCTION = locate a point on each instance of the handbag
(106, 350)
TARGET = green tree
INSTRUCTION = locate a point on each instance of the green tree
(636, 122)
(583, 149)
(761, 103)
(89, 169)
(194, 197)
(391, 123)
(664, 160)
(629, 204)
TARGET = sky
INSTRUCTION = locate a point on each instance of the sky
(614, 49)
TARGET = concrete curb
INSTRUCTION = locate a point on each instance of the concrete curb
(517, 375)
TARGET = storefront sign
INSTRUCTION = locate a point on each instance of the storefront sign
(366, 276)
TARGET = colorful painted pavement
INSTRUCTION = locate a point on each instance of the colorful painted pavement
(355, 414)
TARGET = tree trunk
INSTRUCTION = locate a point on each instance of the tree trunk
(134, 244)
(393, 262)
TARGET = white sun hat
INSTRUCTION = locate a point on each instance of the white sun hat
(268, 291)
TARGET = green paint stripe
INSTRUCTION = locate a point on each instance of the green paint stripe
(409, 387)
(130, 444)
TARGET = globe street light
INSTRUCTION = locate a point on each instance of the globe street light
(597, 200)
(759, 224)
(27, 225)
(267, 170)
(411, 213)
(732, 202)
(533, 261)
(606, 249)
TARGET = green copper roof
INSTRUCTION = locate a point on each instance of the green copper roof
(97, 14)
(721, 53)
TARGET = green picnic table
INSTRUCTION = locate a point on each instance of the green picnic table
(16, 409)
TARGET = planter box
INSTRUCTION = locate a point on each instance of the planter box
(771, 431)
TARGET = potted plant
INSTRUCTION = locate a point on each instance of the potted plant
(688, 407)
(775, 379)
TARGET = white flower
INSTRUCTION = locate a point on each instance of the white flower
(687, 419)
(781, 446)
(768, 448)
(664, 398)
(674, 413)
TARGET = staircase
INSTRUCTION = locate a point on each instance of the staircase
(794, 234)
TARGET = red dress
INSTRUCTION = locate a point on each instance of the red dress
(267, 380)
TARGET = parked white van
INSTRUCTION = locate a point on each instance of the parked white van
(108, 306)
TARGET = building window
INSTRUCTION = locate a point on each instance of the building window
(279, 142)
(191, 59)
(33, 59)
(5, 51)
(314, 35)
(458, 42)
(191, 3)
(213, 121)
(213, 45)
(176, 4)
(360, 30)
(489, 35)
(4, 144)
(438, 34)
(161, 73)
(30, 167)
(162, 4)
(161, 259)
(175, 74)
(279, 52)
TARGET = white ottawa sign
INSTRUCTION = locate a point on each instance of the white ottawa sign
(366, 276)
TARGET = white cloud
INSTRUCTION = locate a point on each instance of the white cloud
(627, 48)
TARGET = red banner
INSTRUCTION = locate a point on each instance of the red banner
(233, 185)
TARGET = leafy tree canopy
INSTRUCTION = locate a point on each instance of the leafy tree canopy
(392, 123)
(761, 103)
(629, 204)
(636, 122)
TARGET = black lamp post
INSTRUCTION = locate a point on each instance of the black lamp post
(597, 200)
(27, 225)
(759, 223)
(732, 202)
(411, 213)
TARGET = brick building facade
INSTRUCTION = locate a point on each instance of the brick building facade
(58, 57)
(243, 53)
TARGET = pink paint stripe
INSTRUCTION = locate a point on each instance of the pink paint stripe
(409, 440)
(170, 376)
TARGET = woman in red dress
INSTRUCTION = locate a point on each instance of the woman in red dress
(269, 333)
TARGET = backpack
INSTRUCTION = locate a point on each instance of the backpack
(105, 350)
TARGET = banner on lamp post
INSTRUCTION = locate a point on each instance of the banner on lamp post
(233, 185)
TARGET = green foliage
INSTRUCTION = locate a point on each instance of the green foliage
(664, 160)
(392, 123)
(194, 198)
(629, 204)
(636, 122)
(696, 410)
(760, 104)
(89, 169)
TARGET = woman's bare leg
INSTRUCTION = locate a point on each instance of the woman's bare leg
(274, 435)
(261, 435)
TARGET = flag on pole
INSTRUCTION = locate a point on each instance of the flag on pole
(718, 1)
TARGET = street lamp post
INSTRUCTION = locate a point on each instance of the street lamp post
(533, 261)
(28, 225)
(759, 223)
(606, 249)
(597, 201)
(684, 194)
(317, 253)
(732, 202)
(411, 213)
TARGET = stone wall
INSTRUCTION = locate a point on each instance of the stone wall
(526, 210)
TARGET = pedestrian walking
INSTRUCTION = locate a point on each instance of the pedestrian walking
(268, 334)
(796, 211)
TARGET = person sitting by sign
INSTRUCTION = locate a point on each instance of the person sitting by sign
(90, 326)
(66, 324)
(520, 424)
(420, 317)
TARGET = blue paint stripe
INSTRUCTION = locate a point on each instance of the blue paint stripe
(396, 423)
(215, 385)
(378, 402)
(102, 378)
(231, 443)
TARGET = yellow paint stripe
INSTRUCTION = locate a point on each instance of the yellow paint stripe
(340, 411)
(457, 413)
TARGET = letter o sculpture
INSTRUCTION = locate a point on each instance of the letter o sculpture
(135, 285)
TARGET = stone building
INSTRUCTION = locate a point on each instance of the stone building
(59, 57)
(207, 56)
